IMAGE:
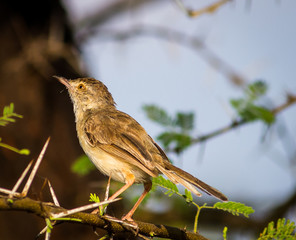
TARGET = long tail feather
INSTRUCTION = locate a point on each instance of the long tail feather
(177, 175)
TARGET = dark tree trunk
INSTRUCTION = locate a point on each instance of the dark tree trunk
(36, 43)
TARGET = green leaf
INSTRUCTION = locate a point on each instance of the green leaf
(188, 196)
(234, 208)
(11, 106)
(158, 115)
(94, 198)
(238, 104)
(246, 107)
(263, 114)
(8, 114)
(256, 90)
(165, 183)
(24, 151)
(82, 165)
(180, 140)
(166, 138)
(185, 121)
(253, 112)
(284, 229)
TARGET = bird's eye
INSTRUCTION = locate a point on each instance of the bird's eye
(81, 86)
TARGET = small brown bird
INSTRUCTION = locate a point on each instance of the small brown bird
(119, 146)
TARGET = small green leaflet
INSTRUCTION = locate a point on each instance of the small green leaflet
(248, 108)
(94, 198)
(158, 115)
(167, 184)
(283, 230)
(251, 112)
(234, 208)
(8, 114)
(188, 196)
(185, 120)
(179, 140)
(256, 89)
(171, 188)
(178, 133)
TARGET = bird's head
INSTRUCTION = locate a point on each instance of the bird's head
(87, 94)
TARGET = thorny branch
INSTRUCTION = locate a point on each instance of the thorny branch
(52, 212)
(44, 210)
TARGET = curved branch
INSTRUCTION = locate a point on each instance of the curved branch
(169, 35)
(45, 209)
(195, 13)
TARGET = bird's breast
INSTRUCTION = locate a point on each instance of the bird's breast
(111, 165)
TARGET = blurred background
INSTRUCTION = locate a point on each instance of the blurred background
(183, 56)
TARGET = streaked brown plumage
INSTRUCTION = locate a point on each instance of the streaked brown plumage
(118, 145)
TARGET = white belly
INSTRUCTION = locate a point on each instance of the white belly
(114, 167)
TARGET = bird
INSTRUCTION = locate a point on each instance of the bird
(119, 146)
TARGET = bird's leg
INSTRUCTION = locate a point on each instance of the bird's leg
(129, 181)
(147, 188)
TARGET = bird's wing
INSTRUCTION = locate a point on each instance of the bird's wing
(122, 136)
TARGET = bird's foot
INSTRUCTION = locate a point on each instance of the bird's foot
(96, 211)
(128, 219)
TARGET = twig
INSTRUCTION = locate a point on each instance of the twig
(11, 148)
(8, 192)
(47, 235)
(44, 209)
(83, 208)
(180, 38)
(35, 168)
(209, 9)
(291, 99)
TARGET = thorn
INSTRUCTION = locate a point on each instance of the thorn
(83, 208)
(107, 189)
(107, 193)
(6, 191)
(34, 170)
(19, 181)
(41, 232)
(53, 195)
(47, 235)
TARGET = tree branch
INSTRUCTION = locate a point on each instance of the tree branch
(45, 210)
(170, 35)
(195, 13)
(291, 99)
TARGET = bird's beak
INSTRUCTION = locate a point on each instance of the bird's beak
(63, 81)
